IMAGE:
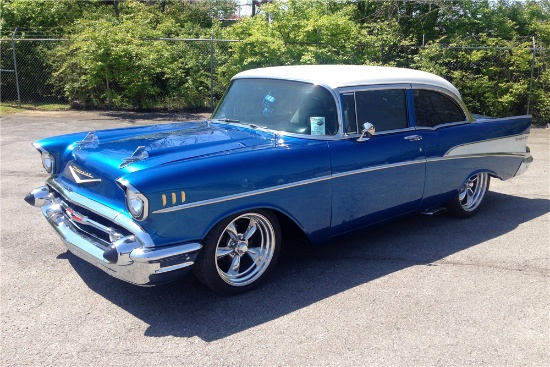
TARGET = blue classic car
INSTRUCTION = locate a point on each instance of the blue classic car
(327, 149)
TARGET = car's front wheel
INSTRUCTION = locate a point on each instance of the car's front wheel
(470, 196)
(239, 252)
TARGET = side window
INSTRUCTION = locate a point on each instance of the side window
(350, 121)
(433, 108)
(386, 109)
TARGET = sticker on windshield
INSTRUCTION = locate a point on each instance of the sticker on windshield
(268, 105)
(317, 125)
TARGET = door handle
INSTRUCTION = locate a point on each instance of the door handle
(413, 137)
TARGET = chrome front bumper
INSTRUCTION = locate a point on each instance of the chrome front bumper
(122, 249)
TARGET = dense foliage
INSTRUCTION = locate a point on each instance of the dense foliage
(115, 56)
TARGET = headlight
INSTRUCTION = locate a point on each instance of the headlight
(136, 203)
(48, 161)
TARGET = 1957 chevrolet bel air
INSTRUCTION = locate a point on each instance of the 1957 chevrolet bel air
(328, 149)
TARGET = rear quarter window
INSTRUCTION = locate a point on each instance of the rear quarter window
(433, 108)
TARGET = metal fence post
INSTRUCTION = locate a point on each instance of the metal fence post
(212, 71)
(15, 67)
(531, 79)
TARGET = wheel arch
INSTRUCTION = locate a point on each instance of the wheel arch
(290, 226)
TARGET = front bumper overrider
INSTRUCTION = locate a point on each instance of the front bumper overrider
(110, 240)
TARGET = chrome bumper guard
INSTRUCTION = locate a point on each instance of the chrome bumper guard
(122, 249)
(525, 163)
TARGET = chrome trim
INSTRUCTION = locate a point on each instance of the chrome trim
(126, 186)
(139, 154)
(78, 180)
(525, 163)
(134, 263)
(370, 87)
(242, 195)
(440, 126)
(485, 141)
(478, 155)
(368, 131)
(117, 217)
(41, 196)
(44, 156)
(143, 255)
(377, 168)
(413, 137)
(38, 147)
(281, 187)
(89, 141)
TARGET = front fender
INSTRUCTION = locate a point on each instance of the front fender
(186, 199)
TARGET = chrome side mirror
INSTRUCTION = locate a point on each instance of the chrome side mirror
(368, 131)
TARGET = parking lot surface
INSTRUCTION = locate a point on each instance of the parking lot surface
(422, 291)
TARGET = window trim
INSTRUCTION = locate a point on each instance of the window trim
(406, 87)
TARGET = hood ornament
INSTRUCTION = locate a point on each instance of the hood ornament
(139, 155)
(89, 141)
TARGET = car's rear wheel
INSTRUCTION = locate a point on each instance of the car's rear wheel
(470, 196)
(239, 252)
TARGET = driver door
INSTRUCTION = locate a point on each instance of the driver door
(383, 176)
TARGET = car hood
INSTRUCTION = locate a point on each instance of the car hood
(97, 160)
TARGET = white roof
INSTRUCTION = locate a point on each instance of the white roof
(339, 76)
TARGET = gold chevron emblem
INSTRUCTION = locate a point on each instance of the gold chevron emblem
(77, 174)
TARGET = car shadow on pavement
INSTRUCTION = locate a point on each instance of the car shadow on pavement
(310, 274)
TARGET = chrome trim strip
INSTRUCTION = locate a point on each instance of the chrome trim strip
(102, 210)
(523, 136)
(441, 126)
(376, 168)
(151, 255)
(481, 155)
(38, 147)
(281, 187)
(242, 195)
(174, 267)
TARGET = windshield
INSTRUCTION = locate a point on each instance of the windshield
(281, 105)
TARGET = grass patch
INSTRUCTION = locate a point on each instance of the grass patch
(6, 109)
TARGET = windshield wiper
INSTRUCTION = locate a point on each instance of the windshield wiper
(225, 119)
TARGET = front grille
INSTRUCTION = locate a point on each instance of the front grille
(89, 223)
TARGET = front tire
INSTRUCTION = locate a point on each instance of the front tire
(239, 252)
(470, 196)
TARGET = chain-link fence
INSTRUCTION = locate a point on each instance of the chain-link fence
(29, 75)
(496, 81)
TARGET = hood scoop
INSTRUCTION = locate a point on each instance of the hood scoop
(139, 155)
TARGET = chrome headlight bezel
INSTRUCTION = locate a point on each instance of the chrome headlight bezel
(136, 203)
(48, 161)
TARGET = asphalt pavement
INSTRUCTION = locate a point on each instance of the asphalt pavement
(422, 291)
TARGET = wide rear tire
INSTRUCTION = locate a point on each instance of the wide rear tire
(470, 196)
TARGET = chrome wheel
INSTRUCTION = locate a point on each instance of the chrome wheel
(470, 196)
(245, 249)
(472, 192)
(239, 252)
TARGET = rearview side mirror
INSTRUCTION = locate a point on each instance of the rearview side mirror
(368, 131)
